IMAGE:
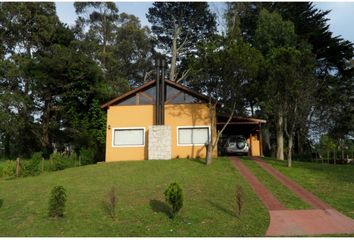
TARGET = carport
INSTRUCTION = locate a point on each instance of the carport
(250, 128)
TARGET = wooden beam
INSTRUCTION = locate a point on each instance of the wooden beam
(238, 123)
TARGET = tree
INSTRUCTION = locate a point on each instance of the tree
(272, 33)
(223, 69)
(118, 42)
(290, 89)
(28, 29)
(332, 55)
(178, 28)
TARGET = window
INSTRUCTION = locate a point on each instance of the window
(128, 137)
(192, 135)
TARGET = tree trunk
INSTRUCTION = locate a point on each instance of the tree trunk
(280, 136)
(212, 119)
(7, 146)
(45, 128)
(174, 54)
(209, 158)
(290, 149)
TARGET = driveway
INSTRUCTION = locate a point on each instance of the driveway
(320, 220)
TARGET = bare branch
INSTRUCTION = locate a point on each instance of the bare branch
(223, 128)
(147, 74)
(183, 43)
(184, 74)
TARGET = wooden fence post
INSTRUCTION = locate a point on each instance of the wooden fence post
(17, 167)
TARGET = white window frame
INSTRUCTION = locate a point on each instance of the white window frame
(128, 128)
(188, 127)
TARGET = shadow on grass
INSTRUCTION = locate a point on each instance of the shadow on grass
(198, 160)
(160, 207)
(221, 208)
(1, 202)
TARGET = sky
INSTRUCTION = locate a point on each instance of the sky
(341, 17)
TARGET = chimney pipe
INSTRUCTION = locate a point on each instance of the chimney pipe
(157, 104)
(163, 92)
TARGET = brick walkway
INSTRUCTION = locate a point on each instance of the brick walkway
(321, 220)
(271, 202)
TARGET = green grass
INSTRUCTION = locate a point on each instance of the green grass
(208, 208)
(332, 184)
(282, 193)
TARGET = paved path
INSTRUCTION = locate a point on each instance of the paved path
(271, 202)
(301, 192)
(321, 220)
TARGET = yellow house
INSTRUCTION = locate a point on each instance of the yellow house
(159, 120)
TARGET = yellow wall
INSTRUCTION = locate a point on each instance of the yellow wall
(143, 116)
(254, 143)
(128, 116)
(187, 115)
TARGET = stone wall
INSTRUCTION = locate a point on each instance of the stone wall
(159, 142)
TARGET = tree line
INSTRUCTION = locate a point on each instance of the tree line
(276, 61)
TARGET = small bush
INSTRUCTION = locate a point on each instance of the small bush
(174, 197)
(32, 167)
(9, 169)
(110, 202)
(60, 161)
(239, 200)
(87, 156)
(57, 202)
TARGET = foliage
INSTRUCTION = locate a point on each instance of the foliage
(179, 27)
(109, 203)
(87, 156)
(60, 161)
(332, 110)
(174, 196)
(57, 202)
(9, 168)
(31, 167)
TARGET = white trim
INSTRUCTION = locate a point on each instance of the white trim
(188, 127)
(128, 128)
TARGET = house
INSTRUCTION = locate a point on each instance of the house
(161, 120)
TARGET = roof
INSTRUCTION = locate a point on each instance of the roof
(151, 83)
(222, 119)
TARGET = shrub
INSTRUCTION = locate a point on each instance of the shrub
(60, 161)
(87, 156)
(110, 202)
(174, 197)
(239, 200)
(57, 202)
(9, 169)
(32, 167)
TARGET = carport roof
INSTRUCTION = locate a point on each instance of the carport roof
(222, 119)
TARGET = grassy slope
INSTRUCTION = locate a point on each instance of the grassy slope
(208, 210)
(282, 193)
(333, 184)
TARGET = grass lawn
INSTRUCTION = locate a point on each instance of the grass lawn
(208, 207)
(282, 193)
(332, 184)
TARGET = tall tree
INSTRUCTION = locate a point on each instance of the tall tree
(27, 30)
(224, 68)
(118, 42)
(178, 27)
(332, 53)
